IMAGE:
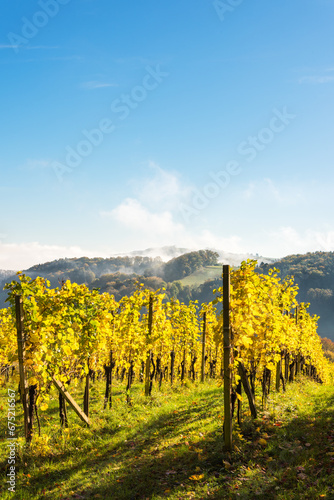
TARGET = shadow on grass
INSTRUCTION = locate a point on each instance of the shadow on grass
(148, 466)
(295, 462)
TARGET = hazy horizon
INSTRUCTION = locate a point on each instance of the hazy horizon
(205, 125)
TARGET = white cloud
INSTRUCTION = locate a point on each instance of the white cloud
(132, 214)
(29, 47)
(19, 256)
(159, 228)
(206, 239)
(249, 192)
(317, 79)
(97, 85)
(266, 189)
(162, 189)
(33, 164)
(287, 240)
(9, 46)
(152, 216)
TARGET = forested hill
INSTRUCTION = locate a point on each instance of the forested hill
(314, 273)
(117, 275)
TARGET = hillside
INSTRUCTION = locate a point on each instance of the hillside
(190, 276)
(314, 273)
(202, 275)
(117, 275)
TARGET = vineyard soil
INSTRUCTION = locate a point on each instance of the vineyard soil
(171, 446)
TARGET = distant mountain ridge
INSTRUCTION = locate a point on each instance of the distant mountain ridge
(169, 263)
(313, 272)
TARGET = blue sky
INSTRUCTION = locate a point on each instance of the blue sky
(128, 125)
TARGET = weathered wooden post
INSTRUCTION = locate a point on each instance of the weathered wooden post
(149, 354)
(86, 396)
(227, 359)
(298, 360)
(278, 373)
(203, 347)
(21, 355)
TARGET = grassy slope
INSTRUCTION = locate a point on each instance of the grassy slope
(171, 446)
(201, 275)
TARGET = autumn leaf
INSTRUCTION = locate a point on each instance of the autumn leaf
(197, 477)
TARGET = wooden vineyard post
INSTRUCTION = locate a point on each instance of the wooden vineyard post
(227, 359)
(61, 388)
(62, 410)
(172, 361)
(278, 373)
(109, 370)
(86, 394)
(183, 366)
(298, 358)
(203, 348)
(286, 366)
(149, 354)
(21, 355)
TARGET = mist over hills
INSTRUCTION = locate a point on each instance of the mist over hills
(170, 252)
(188, 275)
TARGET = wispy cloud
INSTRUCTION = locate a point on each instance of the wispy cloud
(151, 215)
(29, 47)
(2, 47)
(36, 164)
(97, 85)
(288, 240)
(21, 256)
(162, 188)
(132, 214)
(317, 79)
(56, 58)
(131, 60)
(159, 228)
(267, 190)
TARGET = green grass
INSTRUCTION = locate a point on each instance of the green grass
(202, 275)
(171, 446)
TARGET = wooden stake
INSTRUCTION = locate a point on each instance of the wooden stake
(183, 366)
(227, 360)
(86, 395)
(71, 401)
(149, 353)
(278, 373)
(203, 348)
(21, 356)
